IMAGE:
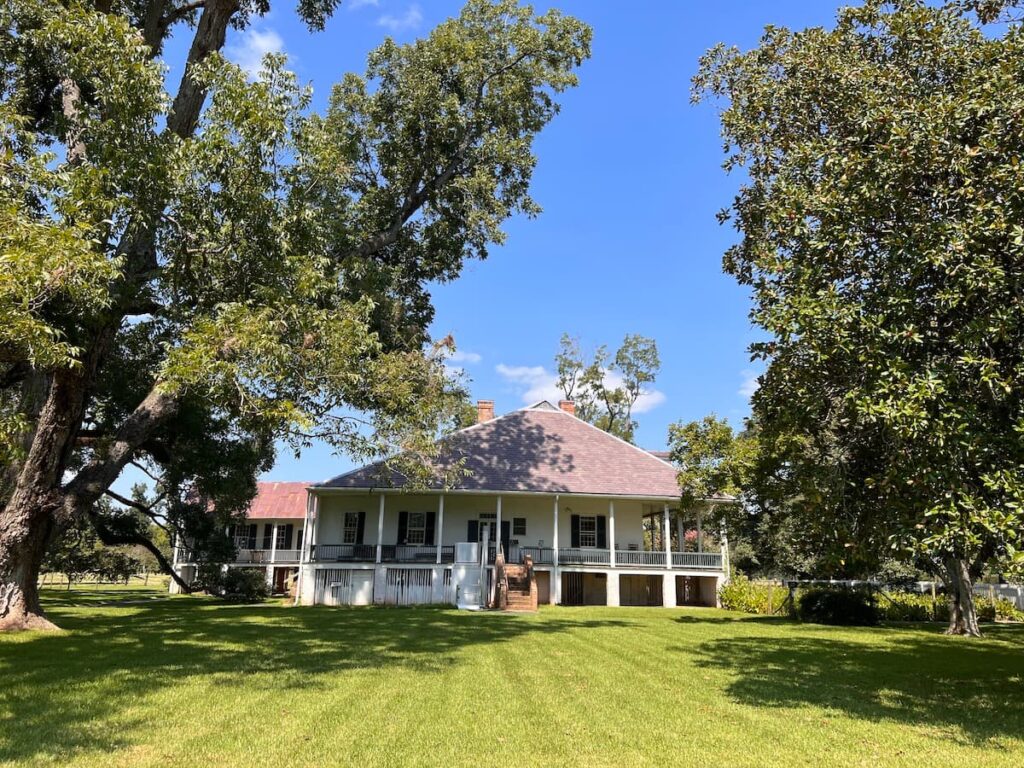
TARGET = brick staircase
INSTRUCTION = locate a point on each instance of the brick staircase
(522, 587)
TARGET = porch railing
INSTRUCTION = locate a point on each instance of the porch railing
(403, 553)
(267, 556)
(344, 553)
(636, 559)
(389, 553)
(708, 560)
(540, 555)
(581, 556)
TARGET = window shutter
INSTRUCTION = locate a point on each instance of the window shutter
(252, 536)
(268, 530)
(298, 539)
(602, 532)
(403, 526)
(574, 528)
(473, 533)
(288, 531)
(360, 527)
(428, 529)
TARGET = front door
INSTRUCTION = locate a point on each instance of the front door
(476, 532)
(280, 580)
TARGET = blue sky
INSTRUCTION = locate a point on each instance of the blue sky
(629, 177)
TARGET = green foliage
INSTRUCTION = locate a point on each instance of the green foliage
(742, 594)
(79, 554)
(712, 460)
(245, 585)
(880, 239)
(605, 388)
(910, 606)
(235, 585)
(999, 609)
(261, 272)
(829, 605)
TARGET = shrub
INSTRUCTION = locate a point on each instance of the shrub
(908, 606)
(999, 609)
(741, 594)
(245, 585)
(236, 585)
(849, 607)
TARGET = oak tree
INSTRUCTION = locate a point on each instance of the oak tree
(191, 276)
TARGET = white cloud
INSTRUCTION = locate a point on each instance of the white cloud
(534, 382)
(398, 22)
(248, 53)
(537, 383)
(354, 5)
(749, 385)
(460, 356)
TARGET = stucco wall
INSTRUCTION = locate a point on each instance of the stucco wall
(459, 509)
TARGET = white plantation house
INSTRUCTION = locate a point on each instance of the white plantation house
(583, 518)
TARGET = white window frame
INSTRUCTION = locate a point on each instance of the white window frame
(588, 535)
(350, 528)
(416, 529)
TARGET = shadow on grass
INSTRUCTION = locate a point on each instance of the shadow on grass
(67, 692)
(971, 691)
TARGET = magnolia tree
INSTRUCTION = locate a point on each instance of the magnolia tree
(189, 277)
(882, 240)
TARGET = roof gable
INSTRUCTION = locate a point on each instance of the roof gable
(538, 449)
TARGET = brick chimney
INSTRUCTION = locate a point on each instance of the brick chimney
(568, 406)
(484, 411)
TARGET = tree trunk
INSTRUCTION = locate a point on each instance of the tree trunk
(22, 547)
(963, 617)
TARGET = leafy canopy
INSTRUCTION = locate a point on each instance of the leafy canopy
(606, 388)
(881, 239)
(197, 290)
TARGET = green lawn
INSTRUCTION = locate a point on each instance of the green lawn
(142, 679)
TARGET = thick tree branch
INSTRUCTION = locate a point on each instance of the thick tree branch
(413, 202)
(97, 476)
(114, 539)
(209, 37)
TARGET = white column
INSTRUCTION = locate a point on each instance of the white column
(273, 554)
(306, 554)
(612, 598)
(668, 539)
(556, 579)
(439, 528)
(611, 535)
(725, 552)
(497, 529)
(700, 534)
(554, 536)
(380, 527)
